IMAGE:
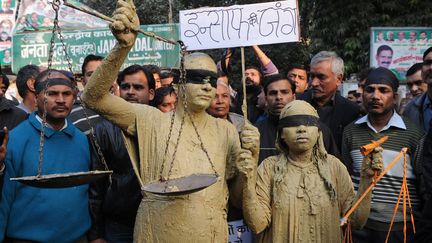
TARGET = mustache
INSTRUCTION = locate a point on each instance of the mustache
(375, 103)
(249, 82)
(60, 107)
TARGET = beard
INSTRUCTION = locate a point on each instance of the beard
(251, 87)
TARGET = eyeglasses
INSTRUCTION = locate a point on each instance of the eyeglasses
(416, 83)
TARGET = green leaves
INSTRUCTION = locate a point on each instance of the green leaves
(338, 25)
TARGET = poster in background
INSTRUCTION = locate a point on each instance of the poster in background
(33, 47)
(400, 47)
(7, 22)
(6, 57)
(240, 25)
(37, 15)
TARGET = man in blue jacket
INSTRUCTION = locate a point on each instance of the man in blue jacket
(33, 214)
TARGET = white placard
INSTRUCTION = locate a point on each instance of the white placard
(240, 25)
(238, 231)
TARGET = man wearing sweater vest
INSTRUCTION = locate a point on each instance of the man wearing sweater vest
(379, 98)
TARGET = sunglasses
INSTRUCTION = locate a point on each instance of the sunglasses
(199, 80)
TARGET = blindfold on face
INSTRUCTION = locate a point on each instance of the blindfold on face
(199, 77)
(41, 86)
(298, 120)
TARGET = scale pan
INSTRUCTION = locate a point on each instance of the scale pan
(182, 185)
(62, 180)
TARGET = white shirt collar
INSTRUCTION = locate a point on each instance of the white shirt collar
(48, 125)
(395, 121)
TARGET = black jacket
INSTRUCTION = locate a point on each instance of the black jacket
(10, 117)
(268, 131)
(119, 200)
(342, 113)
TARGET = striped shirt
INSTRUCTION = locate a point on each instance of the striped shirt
(81, 117)
(402, 133)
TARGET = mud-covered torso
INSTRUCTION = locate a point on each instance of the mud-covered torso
(197, 216)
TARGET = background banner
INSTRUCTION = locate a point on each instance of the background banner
(33, 47)
(398, 48)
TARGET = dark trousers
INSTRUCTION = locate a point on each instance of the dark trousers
(372, 236)
(118, 233)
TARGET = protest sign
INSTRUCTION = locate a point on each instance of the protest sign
(240, 25)
(398, 48)
(238, 231)
(33, 48)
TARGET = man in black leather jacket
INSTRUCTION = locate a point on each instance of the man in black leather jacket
(114, 205)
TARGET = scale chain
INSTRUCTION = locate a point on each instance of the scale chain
(182, 78)
(56, 30)
(55, 6)
(182, 86)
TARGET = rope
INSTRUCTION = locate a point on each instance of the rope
(403, 195)
(348, 234)
(357, 203)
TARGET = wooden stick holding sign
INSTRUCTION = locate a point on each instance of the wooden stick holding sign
(244, 105)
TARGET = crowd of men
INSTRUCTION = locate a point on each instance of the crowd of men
(105, 211)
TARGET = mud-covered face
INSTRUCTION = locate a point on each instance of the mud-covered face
(301, 138)
(199, 96)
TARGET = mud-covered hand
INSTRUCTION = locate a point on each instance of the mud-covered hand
(247, 164)
(373, 163)
(250, 139)
(125, 24)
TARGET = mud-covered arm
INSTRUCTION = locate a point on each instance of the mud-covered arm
(372, 165)
(96, 94)
(257, 197)
(361, 214)
(249, 137)
(255, 183)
